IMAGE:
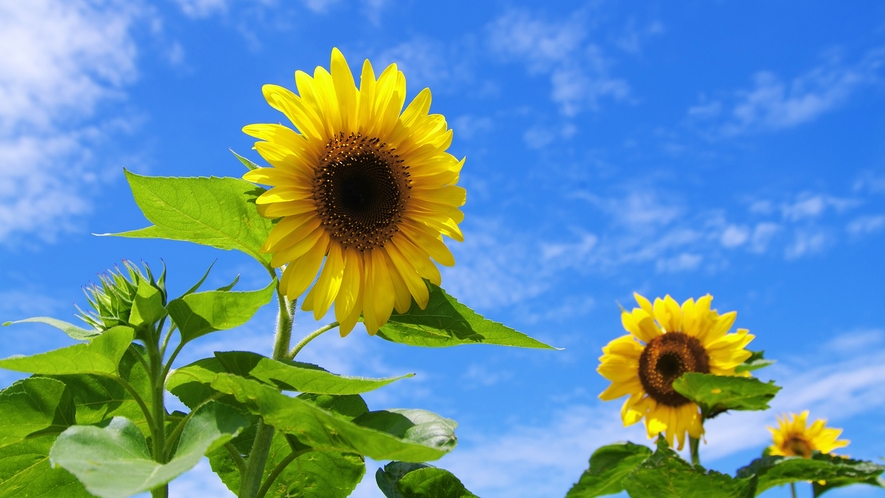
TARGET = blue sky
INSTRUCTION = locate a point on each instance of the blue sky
(717, 147)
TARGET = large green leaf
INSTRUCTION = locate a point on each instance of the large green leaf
(836, 471)
(297, 376)
(73, 331)
(446, 322)
(99, 356)
(609, 465)
(666, 475)
(410, 480)
(115, 461)
(408, 435)
(33, 412)
(200, 313)
(98, 399)
(312, 474)
(217, 212)
(716, 394)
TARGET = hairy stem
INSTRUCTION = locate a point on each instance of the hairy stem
(693, 444)
(279, 470)
(251, 479)
(313, 335)
(793, 489)
(158, 432)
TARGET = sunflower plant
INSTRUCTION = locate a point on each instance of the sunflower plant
(680, 366)
(351, 213)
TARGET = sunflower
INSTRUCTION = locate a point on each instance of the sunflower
(793, 437)
(363, 192)
(666, 341)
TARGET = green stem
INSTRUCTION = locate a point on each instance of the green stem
(279, 470)
(171, 359)
(158, 434)
(693, 444)
(236, 457)
(251, 479)
(141, 404)
(793, 489)
(313, 335)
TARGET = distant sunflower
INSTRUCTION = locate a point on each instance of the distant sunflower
(363, 190)
(666, 341)
(793, 437)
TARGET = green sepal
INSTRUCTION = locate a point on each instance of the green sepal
(835, 471)
(445, 322)
(217, 212)
(99, 356)
(201, 313)
(246, 162)
(666, 475)
(609, 466)
(754, 362)
(716, 394)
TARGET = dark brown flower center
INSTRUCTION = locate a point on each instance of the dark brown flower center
(797, 446)
(664, 359)
(361, 189)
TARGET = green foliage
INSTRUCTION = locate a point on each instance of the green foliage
(716, 394)
(609, 465)
(73, 331)
(834, 471)
(415, 480)
(217, 212)
(666, 475)
(247, 163)
(33, 412)
(115, 461)
(446, 322)
(409, 435)
(99, 356)
(754, 362)
(197, 314)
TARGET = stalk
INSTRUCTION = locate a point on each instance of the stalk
(693, 444)
(158, 431)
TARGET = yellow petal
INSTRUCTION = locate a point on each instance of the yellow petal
(329, 283)
(304, 269)
(351, 283)
(416, 285)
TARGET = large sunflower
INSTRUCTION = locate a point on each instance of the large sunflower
(363, 190)
(794, 437)
(666, 341)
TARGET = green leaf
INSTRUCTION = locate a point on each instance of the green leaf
(666, 475)
(609, 465)
(33, 412)
(408, 435)
(297, 376)
(446, 322)
(147, 307)
(754, 362)
(97, 398)
(115, 461)
(217, 212)
(716, 394)
(409, 480)
(312, 474)
(247, 163)
(835, 470)
(73, 331)
(99, 356)
(197, 285)
(204, 312)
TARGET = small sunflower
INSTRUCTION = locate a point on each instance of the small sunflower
(794, 437)
(666, 341)
(363, 192)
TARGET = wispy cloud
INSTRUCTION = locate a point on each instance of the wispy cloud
(773, 104)
(70, 58)
(579, 70)
(202, 8)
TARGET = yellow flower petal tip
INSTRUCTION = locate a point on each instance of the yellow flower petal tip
(666, 340)
(363, 190)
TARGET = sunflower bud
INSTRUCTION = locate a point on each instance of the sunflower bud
(116, 301)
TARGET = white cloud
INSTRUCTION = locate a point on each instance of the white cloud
(812, 206)
(682, 262)
(426, 63)
(734, 236)
(774, 104)
(202, 8)
(579, 71)
(763, 233)
(71, 57)
(863, 225)
(807, 242)
(468, 127)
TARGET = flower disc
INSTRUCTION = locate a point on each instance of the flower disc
(362, 192)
